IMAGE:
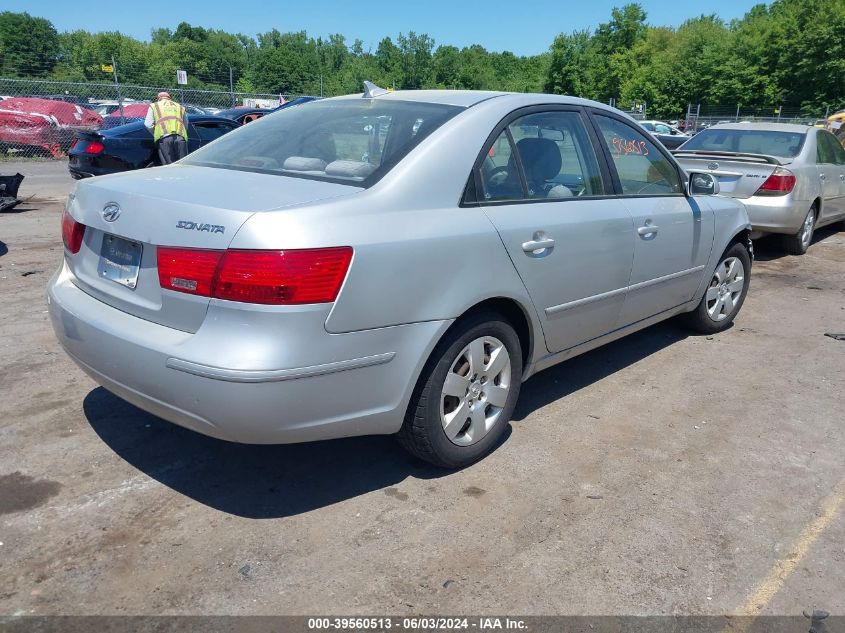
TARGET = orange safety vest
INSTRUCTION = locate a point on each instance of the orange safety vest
(168, 118)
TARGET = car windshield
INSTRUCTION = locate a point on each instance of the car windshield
(352, 141)
(766, 142)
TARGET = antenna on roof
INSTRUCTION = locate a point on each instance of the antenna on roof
(371, 90)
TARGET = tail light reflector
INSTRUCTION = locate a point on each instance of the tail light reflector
(288, 277)
(780, 183)
(94, 147)
(72, 233)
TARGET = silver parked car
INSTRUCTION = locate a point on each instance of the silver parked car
(790, 177)
(392, 263)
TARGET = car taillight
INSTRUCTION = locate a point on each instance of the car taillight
(188, 270)
(780, 183)
(288, 277)
(94, 147)
(72, 233)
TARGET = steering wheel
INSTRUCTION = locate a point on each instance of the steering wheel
(497, 176)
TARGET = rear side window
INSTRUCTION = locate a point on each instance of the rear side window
(641, 167)
(353, 141)
(544, 155)
(828, 149)
(766, 142)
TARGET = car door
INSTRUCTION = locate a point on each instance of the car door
(674, 233)
(830, 175)
(547, 191)
(839, 159)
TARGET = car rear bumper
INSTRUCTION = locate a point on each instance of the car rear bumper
(776, 214)
(332, 385)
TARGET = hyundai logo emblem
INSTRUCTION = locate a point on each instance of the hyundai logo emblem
(712, 166)
(111, 212)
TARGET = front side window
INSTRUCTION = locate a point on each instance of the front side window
(207, 132)
(545, 155)
(354, 141)
(641, 167)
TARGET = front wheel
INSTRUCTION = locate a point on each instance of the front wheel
(466, 393)
(725, 293)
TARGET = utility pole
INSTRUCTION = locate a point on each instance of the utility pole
(737, 113)
(117, 86)
(231, 88)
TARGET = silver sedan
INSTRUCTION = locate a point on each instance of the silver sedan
(791, 178)
(388, 263)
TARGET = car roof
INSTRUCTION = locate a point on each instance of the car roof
(766, 127)
(468, 98)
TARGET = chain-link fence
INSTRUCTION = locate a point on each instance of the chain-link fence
(699, 116)
(39, 119)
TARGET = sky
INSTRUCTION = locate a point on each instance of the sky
(524, 27)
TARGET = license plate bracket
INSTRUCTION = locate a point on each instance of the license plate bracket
(120, 260)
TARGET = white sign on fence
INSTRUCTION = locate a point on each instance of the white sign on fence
(181, 77)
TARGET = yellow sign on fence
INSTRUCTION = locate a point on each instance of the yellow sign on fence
(107, 68)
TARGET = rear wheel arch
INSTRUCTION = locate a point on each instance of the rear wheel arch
(513, 312)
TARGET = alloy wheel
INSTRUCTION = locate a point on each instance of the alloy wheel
(725, 288)
(475, 390)
(807, 230)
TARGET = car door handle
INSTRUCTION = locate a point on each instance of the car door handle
(822, 177)
(841, 176)
(648, 229)
(540, 242)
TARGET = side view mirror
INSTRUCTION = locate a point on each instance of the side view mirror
(702, 184)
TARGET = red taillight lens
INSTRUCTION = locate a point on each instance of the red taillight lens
(188, 269)
(269, 277)
(780, 183)
(94, 147)
(72, 233)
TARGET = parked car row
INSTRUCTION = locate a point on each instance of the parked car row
(389, 263)
(47, 124)
(119, 145)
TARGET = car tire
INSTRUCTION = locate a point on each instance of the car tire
(799, 243)
(725, 292)
(453, 425)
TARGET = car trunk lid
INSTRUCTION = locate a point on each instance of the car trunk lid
(128, 216)
(739, 175)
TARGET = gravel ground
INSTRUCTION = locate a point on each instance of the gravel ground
(662, 474)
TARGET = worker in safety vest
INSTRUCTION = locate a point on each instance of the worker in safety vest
(167, 121)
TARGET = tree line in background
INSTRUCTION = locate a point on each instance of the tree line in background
(791, 53)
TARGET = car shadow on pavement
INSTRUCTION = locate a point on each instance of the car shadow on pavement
(246, 480)
(576, 373)
(769, 247)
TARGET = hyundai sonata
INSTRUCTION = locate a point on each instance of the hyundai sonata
(392, 262)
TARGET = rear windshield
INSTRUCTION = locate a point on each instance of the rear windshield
(352, 141)
(767, 142)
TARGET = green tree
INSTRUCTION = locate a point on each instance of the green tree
(29, 45)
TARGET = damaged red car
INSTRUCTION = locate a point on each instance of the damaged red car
(42, 125)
